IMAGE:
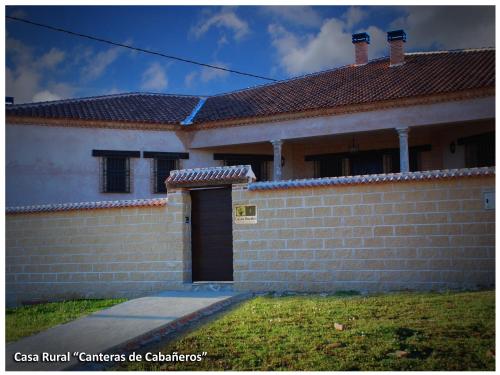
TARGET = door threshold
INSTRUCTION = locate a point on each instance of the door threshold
(211, 282)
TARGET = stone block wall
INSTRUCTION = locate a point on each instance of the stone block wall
(95, 253)
(433, 234)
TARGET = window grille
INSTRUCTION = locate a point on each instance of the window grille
(479, 150)
(161, 170)
(261, 169)
(115, 174)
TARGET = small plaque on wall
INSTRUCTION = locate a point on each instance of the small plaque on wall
(245, 214)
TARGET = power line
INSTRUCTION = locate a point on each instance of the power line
(138, 49)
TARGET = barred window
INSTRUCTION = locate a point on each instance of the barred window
(364, 162)
(261, 169)
(161, 170)
(479, 150)
(116, 175)
(261, 164)
(162, 163)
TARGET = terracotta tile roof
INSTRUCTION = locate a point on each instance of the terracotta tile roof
(422, 74)
(211, 176)
(133, 107)
(156, 202)
(373, 178)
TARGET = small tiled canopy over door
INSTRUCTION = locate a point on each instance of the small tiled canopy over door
(211, 234)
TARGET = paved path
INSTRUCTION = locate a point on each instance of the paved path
(113, 328)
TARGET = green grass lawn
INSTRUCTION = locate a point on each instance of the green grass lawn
(437, 331)
(28, 320)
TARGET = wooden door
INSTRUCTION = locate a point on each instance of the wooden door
(211, 234)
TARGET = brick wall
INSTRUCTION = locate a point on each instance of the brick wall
(113, 252)
(378, 236)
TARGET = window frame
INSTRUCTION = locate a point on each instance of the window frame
(342, 162)
(155, 182)
(175, 157)
(263, 173)
(106, 184)
(104, 157)
(476, 148)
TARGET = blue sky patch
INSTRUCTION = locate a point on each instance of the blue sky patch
(278, 42)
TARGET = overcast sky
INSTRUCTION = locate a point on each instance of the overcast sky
(278, 42)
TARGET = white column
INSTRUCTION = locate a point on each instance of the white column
(404, 159)
(277, 159)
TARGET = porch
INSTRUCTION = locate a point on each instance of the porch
(404, 149)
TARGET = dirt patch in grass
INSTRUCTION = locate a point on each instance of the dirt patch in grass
(401, 331)
(28, 320)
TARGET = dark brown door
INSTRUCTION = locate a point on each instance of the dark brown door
(211, 234)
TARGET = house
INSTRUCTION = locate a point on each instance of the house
(323, 148)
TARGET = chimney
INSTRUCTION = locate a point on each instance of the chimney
(396, 39)
(361, 42)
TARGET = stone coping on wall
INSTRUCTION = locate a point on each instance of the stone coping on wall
(211, 176)
(373, 178)
(155, 202)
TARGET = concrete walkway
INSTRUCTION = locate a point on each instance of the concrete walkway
(113, 328)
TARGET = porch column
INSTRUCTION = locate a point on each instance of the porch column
(277, 159)
(404, 161)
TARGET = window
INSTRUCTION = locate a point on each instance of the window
(162, 164)
(261, 164)
(116, 175)
(363, 162)
(161, 170)
(115, 170)
(479, 150)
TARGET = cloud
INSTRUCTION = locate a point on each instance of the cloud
(295, 15)
(154, 78)
(25, 75)
(222, 40)
(353, 16)
(45, 96)
(22, 83)
(52, 58)
(225, 19)
(112, 91)
(427, 27)
(209, 74)
(206, 75)
(329, 48)
(97, 64)
(19, 52)
(378, 42)
(189, 79)
(448, 27)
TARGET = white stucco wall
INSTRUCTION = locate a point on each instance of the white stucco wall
(47, 164)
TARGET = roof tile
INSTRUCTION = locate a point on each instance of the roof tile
(422, 74)
(134, 107)
(373, 178)
(211, 176)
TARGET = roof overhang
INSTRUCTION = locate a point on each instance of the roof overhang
(198, 177)
(424, 112)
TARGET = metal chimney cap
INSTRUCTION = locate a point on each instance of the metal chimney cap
(360, 37)
(396, 35)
